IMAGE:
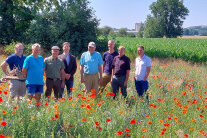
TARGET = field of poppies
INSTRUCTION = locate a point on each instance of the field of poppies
(177, 107)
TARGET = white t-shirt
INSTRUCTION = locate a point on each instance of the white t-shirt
(141, 67)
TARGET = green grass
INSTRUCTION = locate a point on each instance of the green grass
(193, 50)
(177, 103)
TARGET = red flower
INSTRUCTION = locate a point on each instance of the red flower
(119, 133)
(96, 123)
(150, 122)
(133, 122)
(70, 125)
(15, 107)
(83, 119)
(1, 100)
(166, 125)
(127, 129)
(201, 115)
(186, 135)
(126, 134)
(2, 136)
(108, 120)
(56, 116)
(5, 92)
(3, 123)
(46, 104)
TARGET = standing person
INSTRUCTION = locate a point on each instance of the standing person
(120, 72)
(54, 70)
(17, 87)
(33, 69)
(108, 57)
(143, 67)
(90, 64)
(70, 68)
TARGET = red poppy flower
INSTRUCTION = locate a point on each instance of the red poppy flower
(133, 122)
(96, 123)
(127, 129)
(3, 123)
(108, 120)
(70, 125)
(119, 133)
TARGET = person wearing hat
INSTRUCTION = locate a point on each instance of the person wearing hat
(33, 70)
(70, 67)
(54, 70)
(90, 65)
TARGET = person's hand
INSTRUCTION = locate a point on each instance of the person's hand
(82, 79)
(144, 79)
(67, 76)
(125, 83)
(3, 80)
(100, 80)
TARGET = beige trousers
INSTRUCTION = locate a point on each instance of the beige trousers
(91, 82)
(105, 81)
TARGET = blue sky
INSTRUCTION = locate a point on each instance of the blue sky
(125, 13)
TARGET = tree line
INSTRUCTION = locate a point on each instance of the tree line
(53, 22)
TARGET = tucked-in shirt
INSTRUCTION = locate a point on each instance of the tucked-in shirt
(141, 67)
(53, 67)
(108, 59)
(121, 65)
(91, 62)
(34, 68)
(15, 61)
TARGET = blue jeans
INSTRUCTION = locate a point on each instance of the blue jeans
(141, 87)
(69, 86)
(119, 82)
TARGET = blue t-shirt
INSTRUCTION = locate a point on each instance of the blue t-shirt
(108, 58)
(91, 62)
(34, 68)
(15, 61)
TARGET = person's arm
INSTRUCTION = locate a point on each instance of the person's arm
(62, 78)
(74, 67)
(100, 67)
(147, 73)
(104, 63)
(24, 71)
(112, 74)
(4, 66)
(81, 72)
(127, 77)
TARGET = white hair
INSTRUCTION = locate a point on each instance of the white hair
(36, 45)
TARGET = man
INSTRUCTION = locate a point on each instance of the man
(70, 68)
(120, 72)
(33, 69)
(143, 67)
(90, 64)
(17, 87)
(54, 70)
(108, 57)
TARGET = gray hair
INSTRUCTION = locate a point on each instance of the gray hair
(36, 45)
(112, 41)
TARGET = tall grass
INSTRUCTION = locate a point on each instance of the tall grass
(176, 108)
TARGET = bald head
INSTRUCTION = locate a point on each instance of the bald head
(121, 51)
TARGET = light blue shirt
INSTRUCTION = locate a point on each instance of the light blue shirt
(34, 68)
(91, 62)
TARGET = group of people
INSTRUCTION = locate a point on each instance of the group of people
(96, 71)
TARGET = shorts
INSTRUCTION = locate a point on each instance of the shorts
(34, 89)
(17, 88)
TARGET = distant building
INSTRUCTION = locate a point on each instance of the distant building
(138, 25)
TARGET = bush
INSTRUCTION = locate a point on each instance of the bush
(9, 49)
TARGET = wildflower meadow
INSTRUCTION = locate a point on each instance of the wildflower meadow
(177, 107)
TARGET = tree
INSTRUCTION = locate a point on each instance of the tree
(131, 35)
(140, 33)
(106, 30)
(167, 18)
(16, 16)
(72, 21)
(122, 32)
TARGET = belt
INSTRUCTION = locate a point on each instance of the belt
(119, 75)
(54, 79)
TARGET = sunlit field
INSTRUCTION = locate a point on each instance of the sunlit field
(193, 50)
(176, 108)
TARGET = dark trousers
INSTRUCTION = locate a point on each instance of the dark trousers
(141, 87)
(118, 81)
(69, 86)
(55, 85)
